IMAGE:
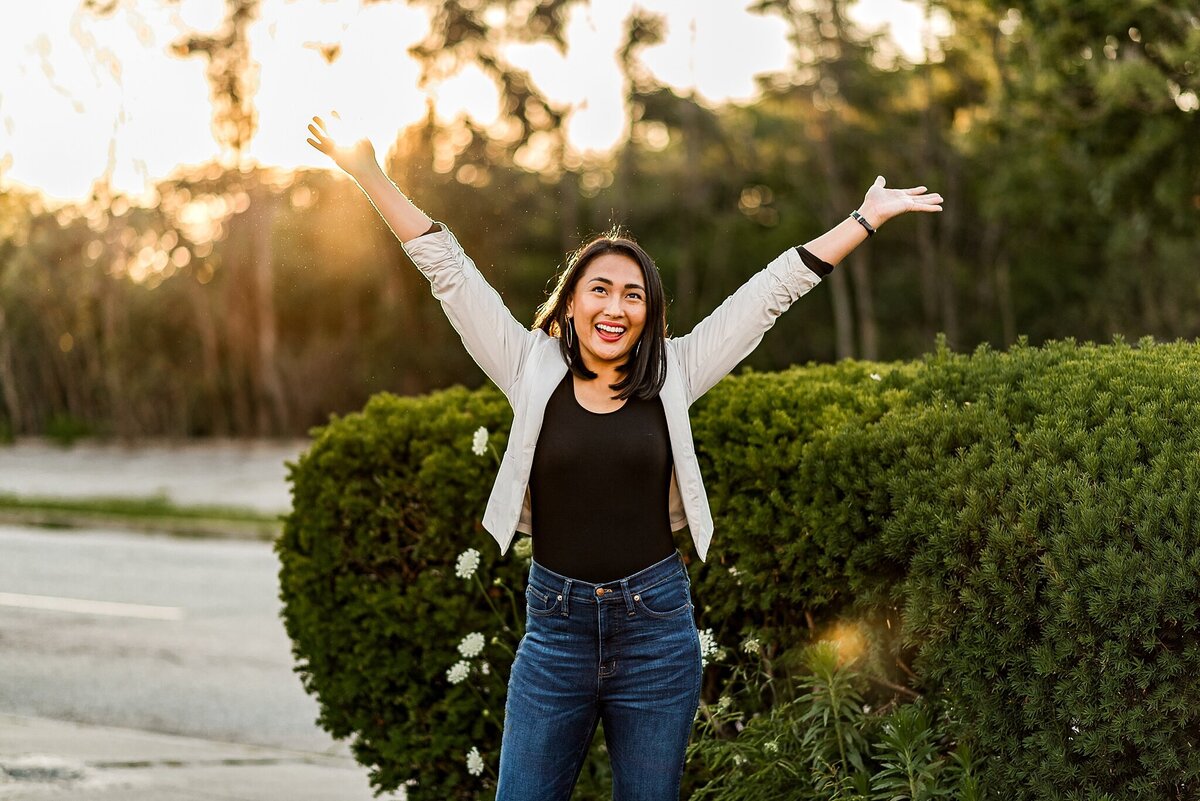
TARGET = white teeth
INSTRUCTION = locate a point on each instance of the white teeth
(610, 329)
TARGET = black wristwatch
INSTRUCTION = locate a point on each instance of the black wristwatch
(863, 222)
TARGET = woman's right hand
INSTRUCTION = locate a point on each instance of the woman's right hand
(357, 159)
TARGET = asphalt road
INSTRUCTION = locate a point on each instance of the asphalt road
(150, 632)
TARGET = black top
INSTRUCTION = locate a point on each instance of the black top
(599, 488)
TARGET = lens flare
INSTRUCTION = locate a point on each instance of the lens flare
(850, 641)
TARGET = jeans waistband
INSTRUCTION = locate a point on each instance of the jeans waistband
(618, 590)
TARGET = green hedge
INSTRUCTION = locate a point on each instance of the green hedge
(1012, 535)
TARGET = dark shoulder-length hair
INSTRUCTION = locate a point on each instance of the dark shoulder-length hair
(646, 369)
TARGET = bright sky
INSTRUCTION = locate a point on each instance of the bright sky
(81, 95)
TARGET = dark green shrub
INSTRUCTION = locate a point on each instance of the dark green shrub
(1053, 586)
(383, 503)
(1012, 535)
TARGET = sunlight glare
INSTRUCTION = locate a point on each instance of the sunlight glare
(469, 93)
(849, 640)
(136, 114)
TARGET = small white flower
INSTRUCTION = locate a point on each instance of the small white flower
(479, 441)
(458, 672)
(876, 377)
(474, 762)
(485, 669)
(772, 747)
(723, 703)
(471, 645)
(523, 548)
(708, 646)
(738, 759)
(468, 563)
(752, 645)
(733, 571)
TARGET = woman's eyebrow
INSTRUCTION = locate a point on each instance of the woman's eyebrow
(610, 283)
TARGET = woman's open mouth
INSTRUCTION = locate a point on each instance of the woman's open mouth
(609, 333)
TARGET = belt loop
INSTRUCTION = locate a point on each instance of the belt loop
(628, 597)
(566, 599)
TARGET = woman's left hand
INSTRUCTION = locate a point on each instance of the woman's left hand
(881, 204)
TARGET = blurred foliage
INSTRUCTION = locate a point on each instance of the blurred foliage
(250, 302)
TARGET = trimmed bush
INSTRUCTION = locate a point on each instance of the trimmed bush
(1053, 581)
(1012, 535)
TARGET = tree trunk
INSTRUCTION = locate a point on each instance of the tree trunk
(8, 380)
(948, 226)
(693, 202)
(210, 359)
(111, 310)
(842, 315)
(272, 408)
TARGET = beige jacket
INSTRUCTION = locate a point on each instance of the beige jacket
(527, 365)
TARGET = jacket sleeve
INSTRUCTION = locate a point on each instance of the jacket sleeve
(733, 331)
(493, 337)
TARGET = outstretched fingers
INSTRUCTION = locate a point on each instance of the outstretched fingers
(319, 139)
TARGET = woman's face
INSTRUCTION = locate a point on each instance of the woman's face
(609, 309)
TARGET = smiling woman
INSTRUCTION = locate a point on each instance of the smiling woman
(609, 314)
(600, 468)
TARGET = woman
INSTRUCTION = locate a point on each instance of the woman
(600, 468)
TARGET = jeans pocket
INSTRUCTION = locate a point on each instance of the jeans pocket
(668, 599)
(540, 603)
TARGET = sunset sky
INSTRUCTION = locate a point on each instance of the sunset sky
(81, 96)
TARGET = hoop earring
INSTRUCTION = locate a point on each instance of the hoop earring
(636, 346)
(568, 331)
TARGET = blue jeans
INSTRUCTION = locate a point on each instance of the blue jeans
(625, 652)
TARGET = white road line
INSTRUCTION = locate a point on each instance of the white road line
(84, 607)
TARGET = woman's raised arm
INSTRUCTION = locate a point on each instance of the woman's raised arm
(496, 341)
(879, 205)
(728, 335)
(359, 162)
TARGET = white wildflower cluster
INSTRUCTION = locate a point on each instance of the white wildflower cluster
(471, 645)
(523, 548)
(468, 563)
(771, 747)
(479, 441)
(876, 377)
(733, 571)
(457, 672)
(752, 646)
(474, 762)
(709, 650)
(724, 703)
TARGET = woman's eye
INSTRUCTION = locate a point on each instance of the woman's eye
(635, 296)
